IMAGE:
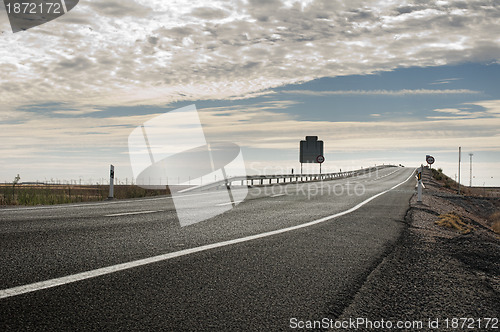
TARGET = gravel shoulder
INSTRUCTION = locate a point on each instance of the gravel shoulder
(436, 272)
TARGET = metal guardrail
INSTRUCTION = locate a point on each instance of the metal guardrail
(262, 180)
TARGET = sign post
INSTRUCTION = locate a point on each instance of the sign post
(320, 159)
(111, 181)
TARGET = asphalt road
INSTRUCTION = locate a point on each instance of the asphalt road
(258, 283)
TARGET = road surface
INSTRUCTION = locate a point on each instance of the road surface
(290, 251)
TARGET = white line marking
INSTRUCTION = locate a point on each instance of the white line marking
(189, 189)
(278, 195)
(131, 213)
(228, 203)
(14, 291)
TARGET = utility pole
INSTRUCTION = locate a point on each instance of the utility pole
(459, 161)
(470, 181)
(111, 181)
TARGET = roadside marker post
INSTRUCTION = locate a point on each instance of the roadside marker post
(111, 181)
(419, 178)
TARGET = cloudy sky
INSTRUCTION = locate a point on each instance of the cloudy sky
(377, 81)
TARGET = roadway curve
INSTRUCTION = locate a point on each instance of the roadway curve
(256, 283)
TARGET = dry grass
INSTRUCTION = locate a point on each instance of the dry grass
(495, 222)
(60, 194)
(454, 221)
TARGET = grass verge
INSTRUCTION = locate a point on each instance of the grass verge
(61, 194)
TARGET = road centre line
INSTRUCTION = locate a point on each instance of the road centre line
(228, 203)
(14, 291)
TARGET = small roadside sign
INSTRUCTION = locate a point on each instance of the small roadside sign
(320, 159)
(430, 159)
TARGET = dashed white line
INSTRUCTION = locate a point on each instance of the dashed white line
(228, 203)
(278, 195)
(131, 213)
(4, 293)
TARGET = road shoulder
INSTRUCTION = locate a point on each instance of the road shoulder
(435, 272)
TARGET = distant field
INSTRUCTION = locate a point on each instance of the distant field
(483, 191)
(47, 194)
(450, 184)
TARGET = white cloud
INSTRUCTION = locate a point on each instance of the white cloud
(255, 126)
(80, 111)
(38, 144)
(265, 125)
(155, 52)
(445, 81)
(489, 108)
(143, 52)
(404, 92)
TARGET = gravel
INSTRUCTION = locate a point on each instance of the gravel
(435, 272)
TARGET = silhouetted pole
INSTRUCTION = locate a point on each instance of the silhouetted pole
(470, 181)
(459, 161)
